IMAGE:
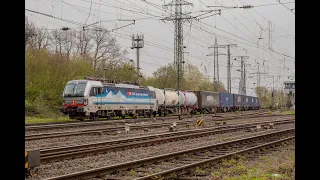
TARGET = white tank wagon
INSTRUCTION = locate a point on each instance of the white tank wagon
(171, 98)
(182, 98)
(191, 99)
(167, 100)
(159, 96)
(175, 102)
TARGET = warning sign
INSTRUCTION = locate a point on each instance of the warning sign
(200, 122)
(26, 164)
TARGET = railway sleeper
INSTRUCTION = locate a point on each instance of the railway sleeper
(229, 156)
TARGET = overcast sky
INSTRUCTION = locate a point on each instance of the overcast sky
(238, 26)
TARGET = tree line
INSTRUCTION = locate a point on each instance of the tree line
(272, 98)
(53, 57)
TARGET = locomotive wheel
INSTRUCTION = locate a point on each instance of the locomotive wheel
(123, 117)
(94, 117)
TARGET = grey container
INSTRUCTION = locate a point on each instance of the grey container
(246, 102)
(237, 100)
(250, 101)
(256, 102)
(208, 99)
(253, 101)
(226, 99)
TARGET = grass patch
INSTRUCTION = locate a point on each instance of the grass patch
(273, 166)
(288, 112)
(35, 120)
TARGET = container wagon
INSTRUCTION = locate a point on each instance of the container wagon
(238, 102)
(207, 101)
(226, 101)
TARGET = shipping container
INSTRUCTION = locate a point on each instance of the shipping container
(256, 103)
(208, 99)
(238, 100)
(251, 101)
(226, 99)
(246, 102)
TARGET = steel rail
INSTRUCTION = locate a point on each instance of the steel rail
(102, 147)
(108, 129)
(145, 161)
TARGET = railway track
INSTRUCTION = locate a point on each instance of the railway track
(138, 118)
(173, 165)
(54, 154)
(113, 129)
(90, 123)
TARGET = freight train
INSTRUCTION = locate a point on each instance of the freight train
(96, 98)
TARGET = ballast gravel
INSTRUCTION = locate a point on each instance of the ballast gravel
(100, 137)
(94, 161)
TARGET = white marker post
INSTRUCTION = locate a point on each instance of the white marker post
(127, 128)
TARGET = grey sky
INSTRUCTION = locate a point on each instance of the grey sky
(158, 48)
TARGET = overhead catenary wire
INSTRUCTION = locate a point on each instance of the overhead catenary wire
(190, 35)
(286, 7)
(169, 49)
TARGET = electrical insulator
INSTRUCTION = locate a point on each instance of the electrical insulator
(65, 29)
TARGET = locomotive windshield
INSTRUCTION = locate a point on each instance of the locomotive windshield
(75, 90)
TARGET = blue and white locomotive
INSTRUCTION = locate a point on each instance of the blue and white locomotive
(94, 99)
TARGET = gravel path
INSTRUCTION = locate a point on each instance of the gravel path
(95, 138)
(94, 161)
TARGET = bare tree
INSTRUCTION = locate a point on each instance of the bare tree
(83, 43)
(56, 41)
(113, 54)
(101, 46)
(29, 32)
(68, 40)
(42, 38)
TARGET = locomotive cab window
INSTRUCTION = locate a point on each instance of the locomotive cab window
(100, 90)
(93, 91)
(96, 90)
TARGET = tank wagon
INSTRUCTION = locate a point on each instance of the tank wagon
(175, 102)
(95, 97)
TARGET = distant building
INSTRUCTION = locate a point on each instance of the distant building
(289, 89)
